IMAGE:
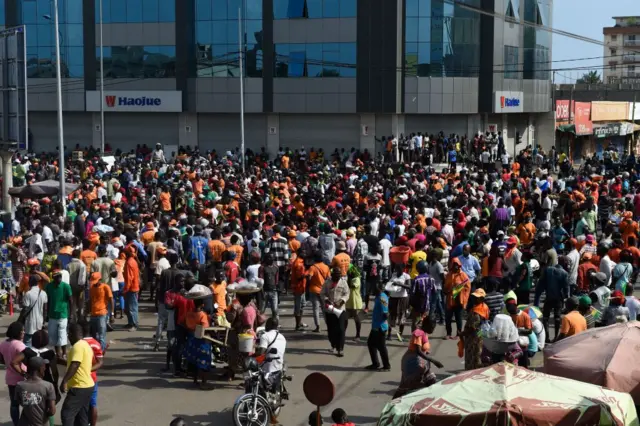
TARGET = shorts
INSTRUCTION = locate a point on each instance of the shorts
(58, 332)
(353, 313)
(298, 304)
(94, 396)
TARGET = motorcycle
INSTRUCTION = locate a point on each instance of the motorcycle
(264, 394)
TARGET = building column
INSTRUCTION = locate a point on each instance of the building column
(508, 146)
(96, 135)
(273, 135)
(187, 129)
(7, 179)
(367, 133)
(397, 125)
(530, 130)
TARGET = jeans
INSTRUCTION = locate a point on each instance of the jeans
(98, 326)
(437, 304)
(271, 300)
(180, 341)
(449, 314)
(27, 340)
(132, 308)
(162, 319)
(315, 308)
(377, 343)
(15, 407)
(75, 409)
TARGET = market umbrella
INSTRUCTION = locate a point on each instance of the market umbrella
(504, 394)
(607, 356)
(42, 189)
(533, 311)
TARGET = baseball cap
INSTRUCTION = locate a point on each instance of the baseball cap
(36, 362)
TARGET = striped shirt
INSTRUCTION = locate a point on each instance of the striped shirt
(495, 302)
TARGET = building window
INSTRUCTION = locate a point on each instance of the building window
(513, 10)
(311, 9)
(631, 69)
(613, 52)
(537, 42)
(217, 45)
(511, 62)
(41, 51)
(614, 67)
(442, 39)
(138, 61)
(614, 37)
(124, 11)
(315, 60)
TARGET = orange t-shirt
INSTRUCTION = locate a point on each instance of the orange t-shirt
(298, 276)
(216, 248)
(285, 162)
(238, 250)
(318, 274)
(220, 296)
(147, 237)
(196, 318)
(573, 323)
(100, 295)
(165, 201)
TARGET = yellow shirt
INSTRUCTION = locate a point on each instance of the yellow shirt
(414, 259)
(81, 352)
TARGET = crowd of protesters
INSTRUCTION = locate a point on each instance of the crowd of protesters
(346, 234)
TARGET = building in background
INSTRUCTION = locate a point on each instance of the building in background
(622, 51)
(318, 73)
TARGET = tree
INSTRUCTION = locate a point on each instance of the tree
(592, 77)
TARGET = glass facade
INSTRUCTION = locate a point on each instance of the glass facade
(138, 61)
(511, 62)
(315, 60)
(537, 42)
(37, 15)
(295, 9)
(441, 39)
(123, 11)
(217, 46)
(2, 14)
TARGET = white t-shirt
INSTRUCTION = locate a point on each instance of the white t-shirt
(634, 307)
(385, 246)
(486, 156)
(394, 289)
(505, 158)
(268, 341)
(161, 265)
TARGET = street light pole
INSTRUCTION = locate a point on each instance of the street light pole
(101, 86)
(241, 47)
(56, 23)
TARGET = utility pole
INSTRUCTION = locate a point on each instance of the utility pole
(633, 125)
(553, 105)
(241, 47)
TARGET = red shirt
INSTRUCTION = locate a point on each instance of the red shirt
(182, 305)
(97, 354)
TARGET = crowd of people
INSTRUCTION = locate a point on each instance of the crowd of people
(347, 236)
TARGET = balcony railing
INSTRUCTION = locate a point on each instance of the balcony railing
(631, 58)
(632, 43)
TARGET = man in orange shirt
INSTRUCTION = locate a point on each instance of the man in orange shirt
(298, 287)
(101, 299)
(317, 274)
(236, 248)
(216, 246)
(87, 256)
(165, 199)
(131, 287)
(573, 322)
(147, 236)
(341, 260)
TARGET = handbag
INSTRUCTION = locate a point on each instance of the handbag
(24, 314)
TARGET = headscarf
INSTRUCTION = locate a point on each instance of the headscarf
(512, 245)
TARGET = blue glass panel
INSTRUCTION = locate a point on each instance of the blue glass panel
(220, 9)
(73, 11)
(233, 6)
(295, 10)
(280, 9)
(73, 34)
(348, 8)
(45, 7)
(203, 10)
(331, 9)
(219, 32)
(32, 36)
(424, 29)
(167, 11)
(425, 7)
(412, 7)
(411, 30)
(331, 60)
(2, 15)
(314, 8)
(251, 28)
(106, 11)
(44, 35)
(232, 32)
(118, 10)
(348, 57)
(254, 9)
(314, 59)
(29, 12)
(424, 53)
(134, 10)
(296, 63)
(203, 32)
(150, 12)
(220, 53)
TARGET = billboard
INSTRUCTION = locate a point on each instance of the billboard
(582, 118)
(13, 108)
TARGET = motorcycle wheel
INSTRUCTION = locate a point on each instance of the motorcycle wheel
(242, 412)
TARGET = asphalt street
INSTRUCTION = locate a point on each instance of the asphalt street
(133, 390)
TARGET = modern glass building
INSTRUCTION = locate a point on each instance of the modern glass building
(322, 73)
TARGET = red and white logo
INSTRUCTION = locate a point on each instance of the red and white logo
(110, 101)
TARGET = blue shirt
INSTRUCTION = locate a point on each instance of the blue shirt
(470, 266)
(452, 155)
(380, 308)
(199, 247)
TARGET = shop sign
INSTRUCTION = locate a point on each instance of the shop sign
(609, 111)
(563, 111)
(582, 118)
(135, 101)
(607, 130)
(508, 101)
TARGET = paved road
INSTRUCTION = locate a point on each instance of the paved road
(134, 391)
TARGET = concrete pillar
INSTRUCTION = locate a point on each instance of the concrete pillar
(7, 182)
(273, 135)
(504, 127)
(187, 129)
(96, 134)
(367, 133)
(531, 136)
(397, 124)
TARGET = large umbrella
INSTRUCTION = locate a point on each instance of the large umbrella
(503, 394)
(42, 189)
(607, 356)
